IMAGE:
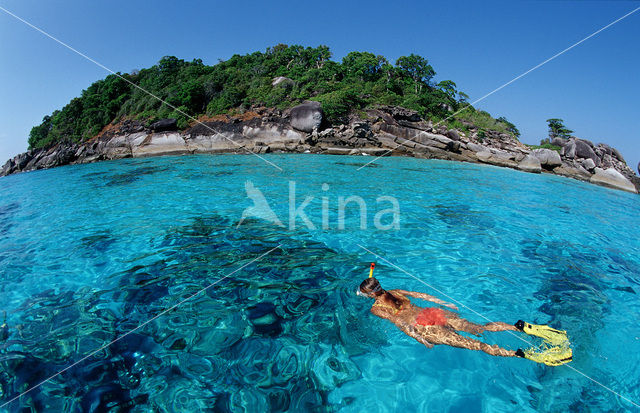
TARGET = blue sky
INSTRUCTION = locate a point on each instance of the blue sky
(479, 45)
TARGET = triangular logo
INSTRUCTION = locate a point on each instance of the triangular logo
(260, 208)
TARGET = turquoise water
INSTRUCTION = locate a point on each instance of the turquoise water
(89, 252)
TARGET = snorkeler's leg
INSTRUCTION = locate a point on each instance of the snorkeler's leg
(499, 326)
(451, 338)
(460, 324)
(414, 332)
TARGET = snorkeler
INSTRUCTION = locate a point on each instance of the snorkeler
(431, 326)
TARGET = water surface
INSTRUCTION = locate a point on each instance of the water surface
(89, 252)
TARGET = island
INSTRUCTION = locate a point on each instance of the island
(296, 99)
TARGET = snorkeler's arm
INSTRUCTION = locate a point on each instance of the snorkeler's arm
(426, 297)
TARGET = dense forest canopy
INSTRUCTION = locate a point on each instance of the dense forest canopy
(192, 89)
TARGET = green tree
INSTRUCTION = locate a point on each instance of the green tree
(319, 56)
(510, 126)
(557, 129)
(363, 66)
(337, 105)
(38, 135)
(418, 69)
(449, 88)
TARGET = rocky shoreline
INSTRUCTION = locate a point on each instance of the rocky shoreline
(384, 130)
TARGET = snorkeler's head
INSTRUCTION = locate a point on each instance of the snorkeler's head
(371, 287)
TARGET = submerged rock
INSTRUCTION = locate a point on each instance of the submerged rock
(613, 179)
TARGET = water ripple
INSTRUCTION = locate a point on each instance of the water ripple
(287, 333)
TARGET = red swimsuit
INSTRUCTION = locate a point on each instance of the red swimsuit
(431, 317)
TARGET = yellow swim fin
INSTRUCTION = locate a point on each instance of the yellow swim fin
(551, 356)
(548, 334)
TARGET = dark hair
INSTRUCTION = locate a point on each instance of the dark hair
(370, 286)
(396, 302)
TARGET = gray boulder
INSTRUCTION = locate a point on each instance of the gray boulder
(547, 157)
(530, 164)
(561, 142)
(6, 169)
(453, 146)
(475, 147)
(569, 151)
(164, 125)
(64, 155)
(453, 135)
(56, 157)
(306, 117)
(497, 157)
(613, 179)
(638, 167)
(604, 148)
(34, 163)
(20, 161)
(607, 161)
(588, 164)
(575, 171)
(282, 81)
(599, 152)
(588, 142)
(616, 153)
(584, 150)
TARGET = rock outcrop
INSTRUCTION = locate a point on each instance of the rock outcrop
(306, 117)
(548, 159)
(530, 163)
(579, 148)
(582, 158)
(589, 165)
(613, 179)
(380, 131)
(164, 125)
